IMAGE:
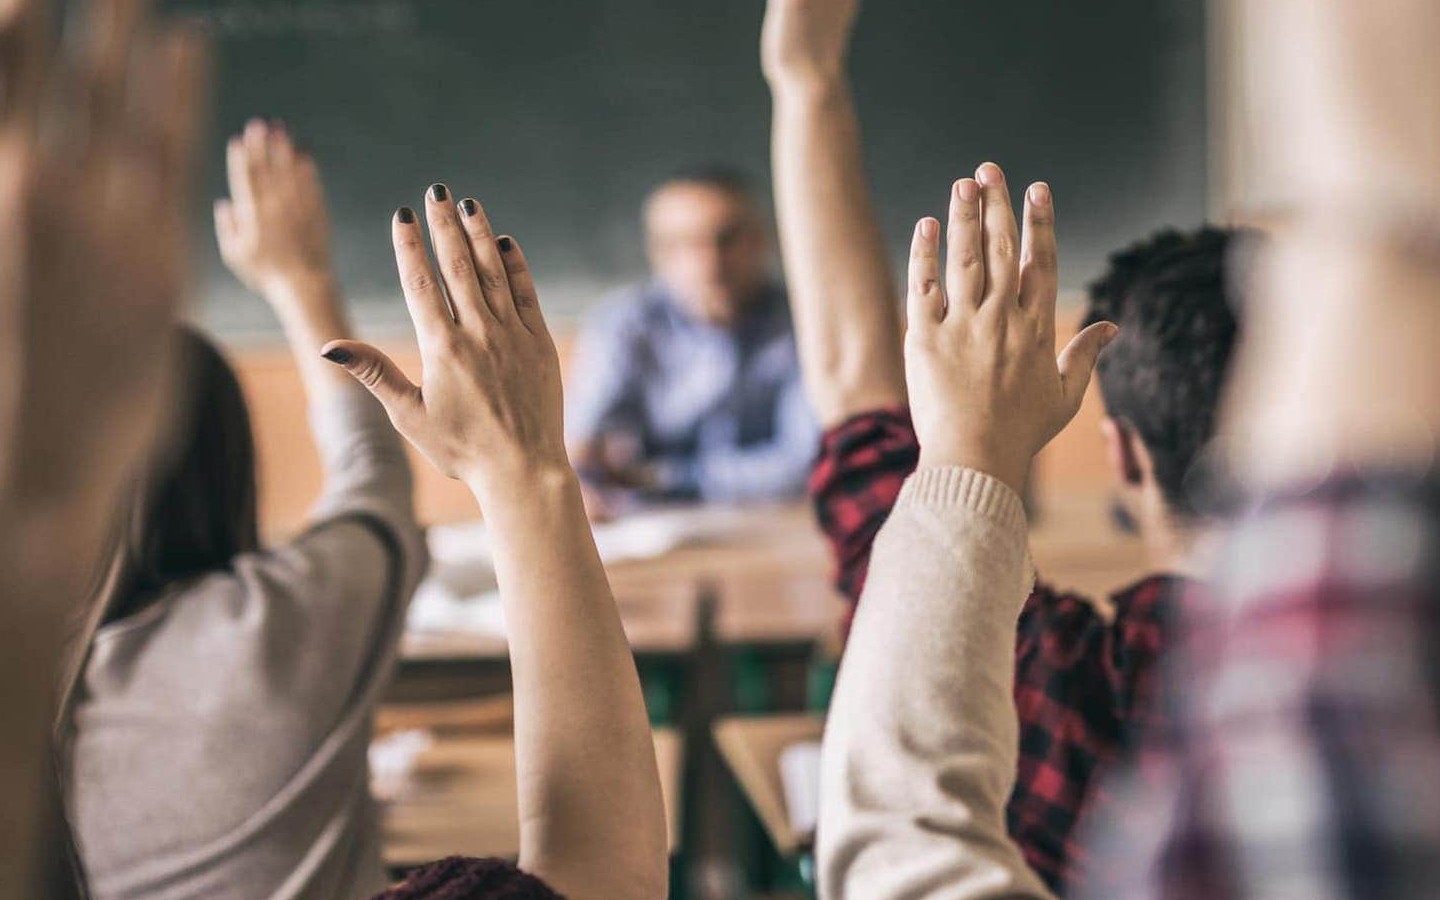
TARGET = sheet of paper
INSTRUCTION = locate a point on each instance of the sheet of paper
(800, 778)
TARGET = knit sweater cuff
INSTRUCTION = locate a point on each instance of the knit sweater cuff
(955, 489)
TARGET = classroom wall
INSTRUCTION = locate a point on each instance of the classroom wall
(290, 470)
(1106, 101)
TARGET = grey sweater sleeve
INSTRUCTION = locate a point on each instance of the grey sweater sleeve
(921, 744)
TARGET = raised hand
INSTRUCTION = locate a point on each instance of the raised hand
(987, 391)
(92, 260)
(92, 242)
(488, 409)
(273, 230)
(806, 39)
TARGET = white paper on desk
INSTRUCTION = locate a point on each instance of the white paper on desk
(800, 778)
(437, 610)
(459, 594)
(392, 762)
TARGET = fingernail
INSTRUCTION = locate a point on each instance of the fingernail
(989, 174)
(1111, 335)
(405, 214)
(929, 228)
(1040, 193)
(338, 355)
(468, 207)
(438, 193)
(968, 190)
(505, 244)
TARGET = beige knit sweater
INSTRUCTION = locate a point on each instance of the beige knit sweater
(920, 749)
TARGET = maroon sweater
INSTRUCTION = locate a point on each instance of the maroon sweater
(461, 878)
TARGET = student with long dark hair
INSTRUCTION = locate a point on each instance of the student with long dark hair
(216, 741)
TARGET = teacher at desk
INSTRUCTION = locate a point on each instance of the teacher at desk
(687, 387)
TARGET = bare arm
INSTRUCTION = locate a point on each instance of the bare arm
(842, 293)
(274, 234)
(592, 818)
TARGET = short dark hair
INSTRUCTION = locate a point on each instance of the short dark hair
(711, 174)
(1164, 374)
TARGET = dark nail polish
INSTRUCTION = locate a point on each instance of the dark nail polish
(405, 214)
(338, 355)
(438, 193)
(505, 244)
(469, 207)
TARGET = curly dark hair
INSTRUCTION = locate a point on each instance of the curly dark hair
(1164, 374)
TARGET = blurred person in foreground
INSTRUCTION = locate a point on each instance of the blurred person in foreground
(1086, 669)
(93, 224)
(687, 387)
(1305, 761)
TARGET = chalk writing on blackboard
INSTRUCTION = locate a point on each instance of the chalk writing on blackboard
(326, 18)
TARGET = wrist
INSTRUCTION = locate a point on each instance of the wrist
(527, 486)
(1008, 471)
(808, 85)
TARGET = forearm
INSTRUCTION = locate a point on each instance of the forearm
(591, 814)
(841, 289)
(50, 549)
(312, 313)
(920, 748)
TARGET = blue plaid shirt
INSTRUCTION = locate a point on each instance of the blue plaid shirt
(720, 414)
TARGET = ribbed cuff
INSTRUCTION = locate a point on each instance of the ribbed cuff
(965, 488)
(957, 489)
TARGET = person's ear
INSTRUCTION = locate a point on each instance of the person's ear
(1124, 451)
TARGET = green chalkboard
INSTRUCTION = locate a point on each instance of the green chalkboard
(559, 114)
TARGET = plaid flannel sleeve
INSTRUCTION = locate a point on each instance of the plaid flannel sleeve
(863, 463)
(1306, 761)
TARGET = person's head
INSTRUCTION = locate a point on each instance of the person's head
(197, 509)
(707, 242)
(1162, 378)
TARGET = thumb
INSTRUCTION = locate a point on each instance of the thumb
(1077, 360)
(225, 225)
(378, 373)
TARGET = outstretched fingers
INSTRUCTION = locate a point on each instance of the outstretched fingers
(965, 253)
(488, 262)
(1039, 259)
(428, 308)
(925, 299)
(1001, 236)
(522, 284)
(454, 259)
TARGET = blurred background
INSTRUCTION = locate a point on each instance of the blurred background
(560, 115)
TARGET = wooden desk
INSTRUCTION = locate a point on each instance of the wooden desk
(775, 608)
(765, 539)
(663, 618)
(751, 747)
(464, 800)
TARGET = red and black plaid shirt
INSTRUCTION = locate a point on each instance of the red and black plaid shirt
(1304, 757)
(1084, 686)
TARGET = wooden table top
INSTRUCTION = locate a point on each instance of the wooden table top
(751, 746)
(463, 800)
